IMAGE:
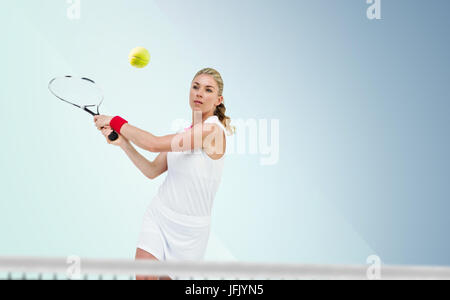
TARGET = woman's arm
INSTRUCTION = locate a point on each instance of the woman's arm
(199, 137)
(150, 169)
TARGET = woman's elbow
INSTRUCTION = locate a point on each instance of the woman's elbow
(150, 146)
(153, 145)
(157, 147)
(153, 149)
(150, 175)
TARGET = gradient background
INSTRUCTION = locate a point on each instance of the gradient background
(363, 109)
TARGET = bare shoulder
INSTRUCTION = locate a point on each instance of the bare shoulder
(214, 142)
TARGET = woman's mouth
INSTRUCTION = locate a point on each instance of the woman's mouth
(198, 102)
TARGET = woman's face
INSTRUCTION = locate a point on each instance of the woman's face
(204, 95)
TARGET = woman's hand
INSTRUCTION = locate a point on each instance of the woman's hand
(102, 121)
(106, 131)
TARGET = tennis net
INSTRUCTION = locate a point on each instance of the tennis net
(74, 268)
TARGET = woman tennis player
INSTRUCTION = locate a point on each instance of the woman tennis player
(176, 225)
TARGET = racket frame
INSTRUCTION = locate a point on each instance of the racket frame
(113, 136)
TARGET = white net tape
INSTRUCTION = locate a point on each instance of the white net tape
(75, 268)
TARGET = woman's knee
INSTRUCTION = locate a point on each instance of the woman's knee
(139, 278)
(144, 255)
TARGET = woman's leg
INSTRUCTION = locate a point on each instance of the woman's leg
(141, 254)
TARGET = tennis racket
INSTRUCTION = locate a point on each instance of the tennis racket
(78, 92)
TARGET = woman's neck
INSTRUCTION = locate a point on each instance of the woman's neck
(198, 117)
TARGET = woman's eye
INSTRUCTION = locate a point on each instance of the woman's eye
(195, 87)
(208, 90)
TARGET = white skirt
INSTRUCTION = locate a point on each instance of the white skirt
(171, 236)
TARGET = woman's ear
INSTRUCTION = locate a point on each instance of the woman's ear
(220, 101)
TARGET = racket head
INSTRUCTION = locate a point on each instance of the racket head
(81, 92)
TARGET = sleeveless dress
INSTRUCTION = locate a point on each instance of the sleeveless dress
(176, 224)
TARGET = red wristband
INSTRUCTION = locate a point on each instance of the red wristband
(117, 123)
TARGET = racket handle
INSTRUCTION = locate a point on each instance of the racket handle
(113, 136)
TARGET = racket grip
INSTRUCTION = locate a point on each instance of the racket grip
(113, 136)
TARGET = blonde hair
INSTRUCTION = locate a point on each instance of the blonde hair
(220, 109)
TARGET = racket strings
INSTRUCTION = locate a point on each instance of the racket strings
(77, 91)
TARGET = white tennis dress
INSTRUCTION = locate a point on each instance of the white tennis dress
(177, 223)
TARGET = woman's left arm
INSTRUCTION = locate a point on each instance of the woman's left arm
(198, 137)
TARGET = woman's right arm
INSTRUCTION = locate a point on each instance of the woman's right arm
(150, 169)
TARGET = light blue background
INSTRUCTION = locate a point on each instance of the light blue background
(363, 109)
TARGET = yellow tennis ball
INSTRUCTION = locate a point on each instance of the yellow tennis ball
(139, 57)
